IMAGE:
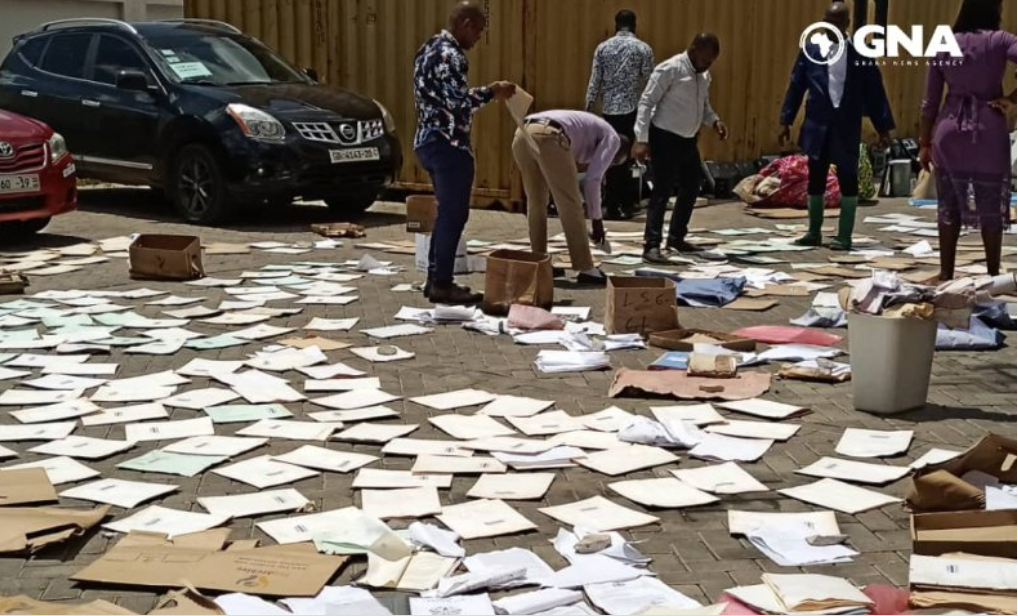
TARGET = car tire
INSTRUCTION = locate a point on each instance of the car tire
(353, 205)
(198, 187)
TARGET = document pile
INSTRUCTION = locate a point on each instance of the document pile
(793, 539)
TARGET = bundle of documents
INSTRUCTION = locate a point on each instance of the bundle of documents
(552, 362)
(788, 538)
(816, 594)
(964, 581)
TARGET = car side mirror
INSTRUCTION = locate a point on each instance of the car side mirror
(312, 74)
(136, 81)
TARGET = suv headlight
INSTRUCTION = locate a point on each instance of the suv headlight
(387, 120)
(57, 147)
(256, 124)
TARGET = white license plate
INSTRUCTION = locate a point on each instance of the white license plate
(354, 155)
(19, 184)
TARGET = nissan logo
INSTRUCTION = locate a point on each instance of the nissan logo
(347, 131)
(6, 150)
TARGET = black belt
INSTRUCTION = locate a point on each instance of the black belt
(545, 122)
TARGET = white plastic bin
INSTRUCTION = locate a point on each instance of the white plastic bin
(891, 362)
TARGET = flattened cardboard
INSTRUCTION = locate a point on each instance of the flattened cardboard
(278, 571)
(995, 455)
(749, 304)
(29, 529)
(680, 385)
(21, 487)
(26, 605)
(679, 340)
(517, 277)
(166, 257)
(421, 212)
(186, 602)
(639, 305)
(986, 533)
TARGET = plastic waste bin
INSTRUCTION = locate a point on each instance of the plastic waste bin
(892, 359)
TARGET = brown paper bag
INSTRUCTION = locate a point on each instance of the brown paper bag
(926, 185)
(166, 257)
(517, 277)
(640, 305)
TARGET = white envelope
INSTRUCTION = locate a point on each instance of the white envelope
(598, 514)
(696, 414)
(730, 448)
(331, 325)
(126, 494)
(258, 503)
(470, 426)
(289, 429)
(728, 478)
(59, 470)
(859, 472)
(755, 429)
(764, 408)
(382, 479)
(521, 486)
(450, 465)
(126, 414)
(330, 371)
(455, 399)
(169, 430)
(208, 367)
(382, 354)
(401, 503)
(420, 447)
(612, 419)
(302, 528)
(509, 444)
(484, 518)
(354, 415)
(56, 412)
(636, 596)
(588, 439)
(396, 331)
(30, 397)
(663, 492)
(83, 447)
(543, 424)
(64, 382)
(964, 573)
(323, 459)
(343, 384)
(198, 399)
(515, 406)
(36, 432)
(171, 522)
(228, 446)
(132, 393)
(264, 472)
(357, 399)
(840, 496)
(857, 443)
(375, 433)
(83, 369)
(623, 460)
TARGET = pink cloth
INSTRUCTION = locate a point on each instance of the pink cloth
(532, 317)
(786, 334)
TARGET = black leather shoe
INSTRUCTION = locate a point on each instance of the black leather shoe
(453, 294)
(654, 257)
(590, 280)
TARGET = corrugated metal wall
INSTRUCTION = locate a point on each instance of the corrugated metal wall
(368, 45)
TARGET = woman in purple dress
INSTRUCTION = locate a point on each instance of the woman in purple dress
(966, 138)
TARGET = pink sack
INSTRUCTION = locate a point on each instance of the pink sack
(787, 334)
(794, 173)
(532, 317)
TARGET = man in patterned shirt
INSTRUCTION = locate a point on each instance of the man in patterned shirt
(445, 106)
(621, 64)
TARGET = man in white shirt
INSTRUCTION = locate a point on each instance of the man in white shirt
(673, 108)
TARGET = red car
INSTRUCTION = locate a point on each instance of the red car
(37, 178)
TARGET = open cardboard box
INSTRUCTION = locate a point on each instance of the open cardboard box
(935, 490)
(986, 533)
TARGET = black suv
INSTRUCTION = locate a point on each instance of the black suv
(196, 108)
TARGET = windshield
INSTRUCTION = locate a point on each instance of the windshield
(211, 58)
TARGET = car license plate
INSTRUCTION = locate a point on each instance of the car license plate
(19, 183)
(354, 155)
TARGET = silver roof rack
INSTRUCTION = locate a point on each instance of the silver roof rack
(222, 25)
(85, 21)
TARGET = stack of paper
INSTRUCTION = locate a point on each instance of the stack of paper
(813, 594)
(784, 537)
(552, 362)
(963, 581)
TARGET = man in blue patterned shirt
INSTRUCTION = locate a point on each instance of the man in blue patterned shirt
(621, 65)
(445, 106)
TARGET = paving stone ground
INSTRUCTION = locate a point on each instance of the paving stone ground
(972, 393)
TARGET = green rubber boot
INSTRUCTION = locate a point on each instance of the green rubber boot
(846, 224)
(815, 207)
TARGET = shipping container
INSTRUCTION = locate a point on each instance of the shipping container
(547, 46)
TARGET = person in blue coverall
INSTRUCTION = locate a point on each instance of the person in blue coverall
(844, 86)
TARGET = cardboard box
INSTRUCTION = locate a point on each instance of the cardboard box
(640, 305)
(421, 212)
(25, 486)
(206, 563)
(166, 257)
(464, 262)
(678, 340)
(29, 529)
(940, 488)
(986, 533)
(518, 277)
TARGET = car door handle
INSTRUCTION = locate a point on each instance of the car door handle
(30, 94)
(89, 102)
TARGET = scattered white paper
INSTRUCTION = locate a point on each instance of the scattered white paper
(126, 494)
(859, 443)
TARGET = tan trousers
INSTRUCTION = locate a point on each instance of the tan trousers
(552, 171)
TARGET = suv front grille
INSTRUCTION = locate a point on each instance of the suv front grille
(341, 133)
(26, 158)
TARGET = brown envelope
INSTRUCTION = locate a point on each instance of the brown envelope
(25, 605)
(21, 487)
(29, 529)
